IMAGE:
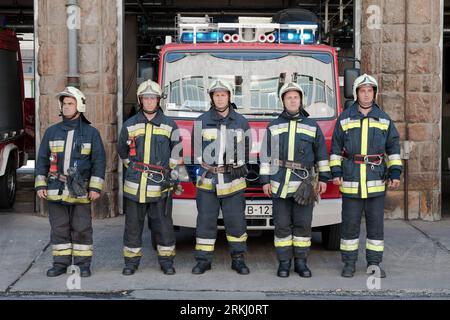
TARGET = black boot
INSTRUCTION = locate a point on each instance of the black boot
(348, 270)
(168, 268)
(201, 267)
(129, 270)
(372, 269)
(301, 268)
(238, 264)
(284, 268)
(56, 270)
(85, 272)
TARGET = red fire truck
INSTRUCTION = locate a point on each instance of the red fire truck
(12, 116)
(256, 55)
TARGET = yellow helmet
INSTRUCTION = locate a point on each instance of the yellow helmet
(292, 86)
(363, 80)
(73, 93)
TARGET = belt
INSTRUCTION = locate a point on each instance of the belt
(144, 167)
(58, 176)
(290, 165)
(372, 159)
(213, 169)
(216, 169)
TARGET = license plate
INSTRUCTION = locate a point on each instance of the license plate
(258, 210)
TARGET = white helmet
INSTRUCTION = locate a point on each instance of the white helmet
(363, 80)
(292, 86)
(73, 93)
(220, 85)
(148, 88)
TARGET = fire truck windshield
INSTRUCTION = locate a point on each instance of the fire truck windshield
(256, 78)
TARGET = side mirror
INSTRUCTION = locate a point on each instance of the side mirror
(350, 76)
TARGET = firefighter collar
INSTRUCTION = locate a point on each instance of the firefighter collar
(157, 119)
(70, 124)
(300, 115)
(375, 113)
(215, 115)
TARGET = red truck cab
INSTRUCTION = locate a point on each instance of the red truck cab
(12, 116)
(256, 57)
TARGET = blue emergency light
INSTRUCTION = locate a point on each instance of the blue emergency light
(294, 37)
(202, 36)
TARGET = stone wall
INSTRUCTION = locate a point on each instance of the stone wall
(419, 71)
(97, 60)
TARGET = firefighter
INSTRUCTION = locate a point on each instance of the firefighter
(364, 139)
(219, 133)
(70, 172)
(145, 146)
(294, 168)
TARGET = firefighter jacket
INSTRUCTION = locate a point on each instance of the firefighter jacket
(143, 142)
(298, 139)
(70, 144)
(218, 142)
(355, 134)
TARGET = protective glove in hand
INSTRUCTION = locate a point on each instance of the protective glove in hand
(305, 194)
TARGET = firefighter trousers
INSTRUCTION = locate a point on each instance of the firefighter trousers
(233, 212)
(352, 209)
(160, 225)
(71, 234)
(292, 228)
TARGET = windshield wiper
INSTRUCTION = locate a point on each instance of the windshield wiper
(187, 110)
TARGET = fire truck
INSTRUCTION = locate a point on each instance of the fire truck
(257, 56)
(13, 139)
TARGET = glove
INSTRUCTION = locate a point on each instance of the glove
(75, 183)
(305, 194)
(239, 172)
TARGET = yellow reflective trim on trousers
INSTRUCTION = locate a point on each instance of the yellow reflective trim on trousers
(242, 238)
(374, 248)
(166, 253)
(363, 167)
(349, 247)
(287, 243)
(303, 244)
(129, 254)
(147, 148)
(82, 253)
(203, 247)
(57, 253)
(394, 163)
(376, 189)
(291, 146)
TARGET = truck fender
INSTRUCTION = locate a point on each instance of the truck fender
(6, 151)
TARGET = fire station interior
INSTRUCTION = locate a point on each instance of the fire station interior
(445, 164)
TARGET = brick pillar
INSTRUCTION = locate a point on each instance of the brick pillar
(383, 55)
(97, 60)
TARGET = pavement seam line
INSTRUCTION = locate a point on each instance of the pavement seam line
(436, 242)
(7, 291)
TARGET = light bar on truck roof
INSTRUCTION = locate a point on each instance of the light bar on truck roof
(302, 33)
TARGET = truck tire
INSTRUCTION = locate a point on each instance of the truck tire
(331, 237)
(8, 184)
